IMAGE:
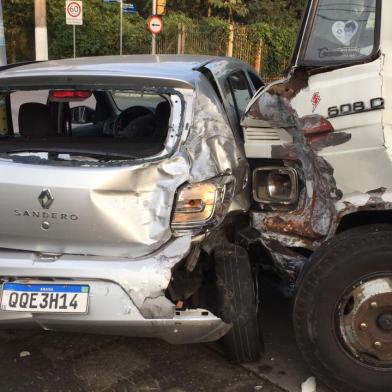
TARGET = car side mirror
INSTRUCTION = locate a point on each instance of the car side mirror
(82, 115)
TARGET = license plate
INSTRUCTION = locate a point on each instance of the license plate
(45, 298)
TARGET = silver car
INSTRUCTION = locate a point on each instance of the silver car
(123, 183)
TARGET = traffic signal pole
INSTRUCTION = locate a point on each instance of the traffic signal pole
(41, 31)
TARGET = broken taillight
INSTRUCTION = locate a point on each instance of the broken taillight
(315, 124)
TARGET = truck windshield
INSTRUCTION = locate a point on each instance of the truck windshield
(339, 32)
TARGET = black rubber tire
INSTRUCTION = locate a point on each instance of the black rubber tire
(236, 304)
(333, 268)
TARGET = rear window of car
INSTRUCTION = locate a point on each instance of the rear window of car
(84, 124)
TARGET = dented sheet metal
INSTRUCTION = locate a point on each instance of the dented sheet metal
(127, 297)
(211, 145)
(311, 221)
(121, 212)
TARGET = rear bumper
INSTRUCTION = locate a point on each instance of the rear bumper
(126, 296)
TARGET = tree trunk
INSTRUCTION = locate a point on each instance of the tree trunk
(41, 33)
(258, 57)
(230, 43)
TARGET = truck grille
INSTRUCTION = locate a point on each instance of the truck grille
(261, 134)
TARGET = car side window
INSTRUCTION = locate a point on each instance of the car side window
(241, 92)
(256, 80)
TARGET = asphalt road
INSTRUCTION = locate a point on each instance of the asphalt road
(47, 361)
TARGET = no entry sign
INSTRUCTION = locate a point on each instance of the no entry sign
(74, 12)
(155, 24)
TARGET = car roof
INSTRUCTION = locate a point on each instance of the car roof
(165, 70)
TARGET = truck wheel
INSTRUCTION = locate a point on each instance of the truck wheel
(236, 303)
(343, 311)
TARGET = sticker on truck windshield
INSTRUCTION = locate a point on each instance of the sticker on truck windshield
(345, 31)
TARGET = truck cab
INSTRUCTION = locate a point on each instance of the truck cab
(319, 147)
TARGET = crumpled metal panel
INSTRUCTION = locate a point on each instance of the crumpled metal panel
(141, 278)
(375, 200)
(127, 296)
(211, 145)
(119, 212)
(312, 218)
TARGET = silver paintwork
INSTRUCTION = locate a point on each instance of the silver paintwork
(121, 210)
(126, 295)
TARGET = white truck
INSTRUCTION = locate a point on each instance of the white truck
(319, 146)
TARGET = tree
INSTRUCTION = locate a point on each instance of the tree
(277, 12)
(19, 29)
(99, 34)
(230, 7)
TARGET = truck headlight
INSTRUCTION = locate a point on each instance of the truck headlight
(275, 185)
(201, 204)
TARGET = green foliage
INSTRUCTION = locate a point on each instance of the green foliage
(277, 12)
(273, 23)
(19, 29)
(277, 43)
(231, 7)
(99, 34)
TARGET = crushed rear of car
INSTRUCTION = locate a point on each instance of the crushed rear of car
(121, 184)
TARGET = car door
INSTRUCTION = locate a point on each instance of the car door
(235, 87)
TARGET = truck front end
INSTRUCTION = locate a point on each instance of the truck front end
(319, 147)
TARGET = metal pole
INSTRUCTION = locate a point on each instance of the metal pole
(74, 40)
(3, 52)
(41, 31)
(154, 40)
(3, 61)
(121, 26)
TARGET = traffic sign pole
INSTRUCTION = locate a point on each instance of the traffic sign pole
(74, 17)
(154, 39)
(74, 40)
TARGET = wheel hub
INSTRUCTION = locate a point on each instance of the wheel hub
(365, 321)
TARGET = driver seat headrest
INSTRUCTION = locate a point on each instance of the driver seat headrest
(35, 121)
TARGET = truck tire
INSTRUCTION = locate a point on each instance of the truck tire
(343, 311)
(236, 304)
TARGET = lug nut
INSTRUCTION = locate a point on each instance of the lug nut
(363, 326)
(374, 305)
(377, 344)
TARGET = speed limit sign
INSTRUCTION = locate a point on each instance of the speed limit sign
(74, 12)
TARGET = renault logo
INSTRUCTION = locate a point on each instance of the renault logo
(46, 199)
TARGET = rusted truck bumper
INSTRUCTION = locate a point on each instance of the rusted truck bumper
(127, 296)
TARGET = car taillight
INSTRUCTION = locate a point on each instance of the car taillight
(201, 204)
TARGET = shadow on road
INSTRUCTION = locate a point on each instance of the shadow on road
(76, 362)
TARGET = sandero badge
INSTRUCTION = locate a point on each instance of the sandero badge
(46, 199)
